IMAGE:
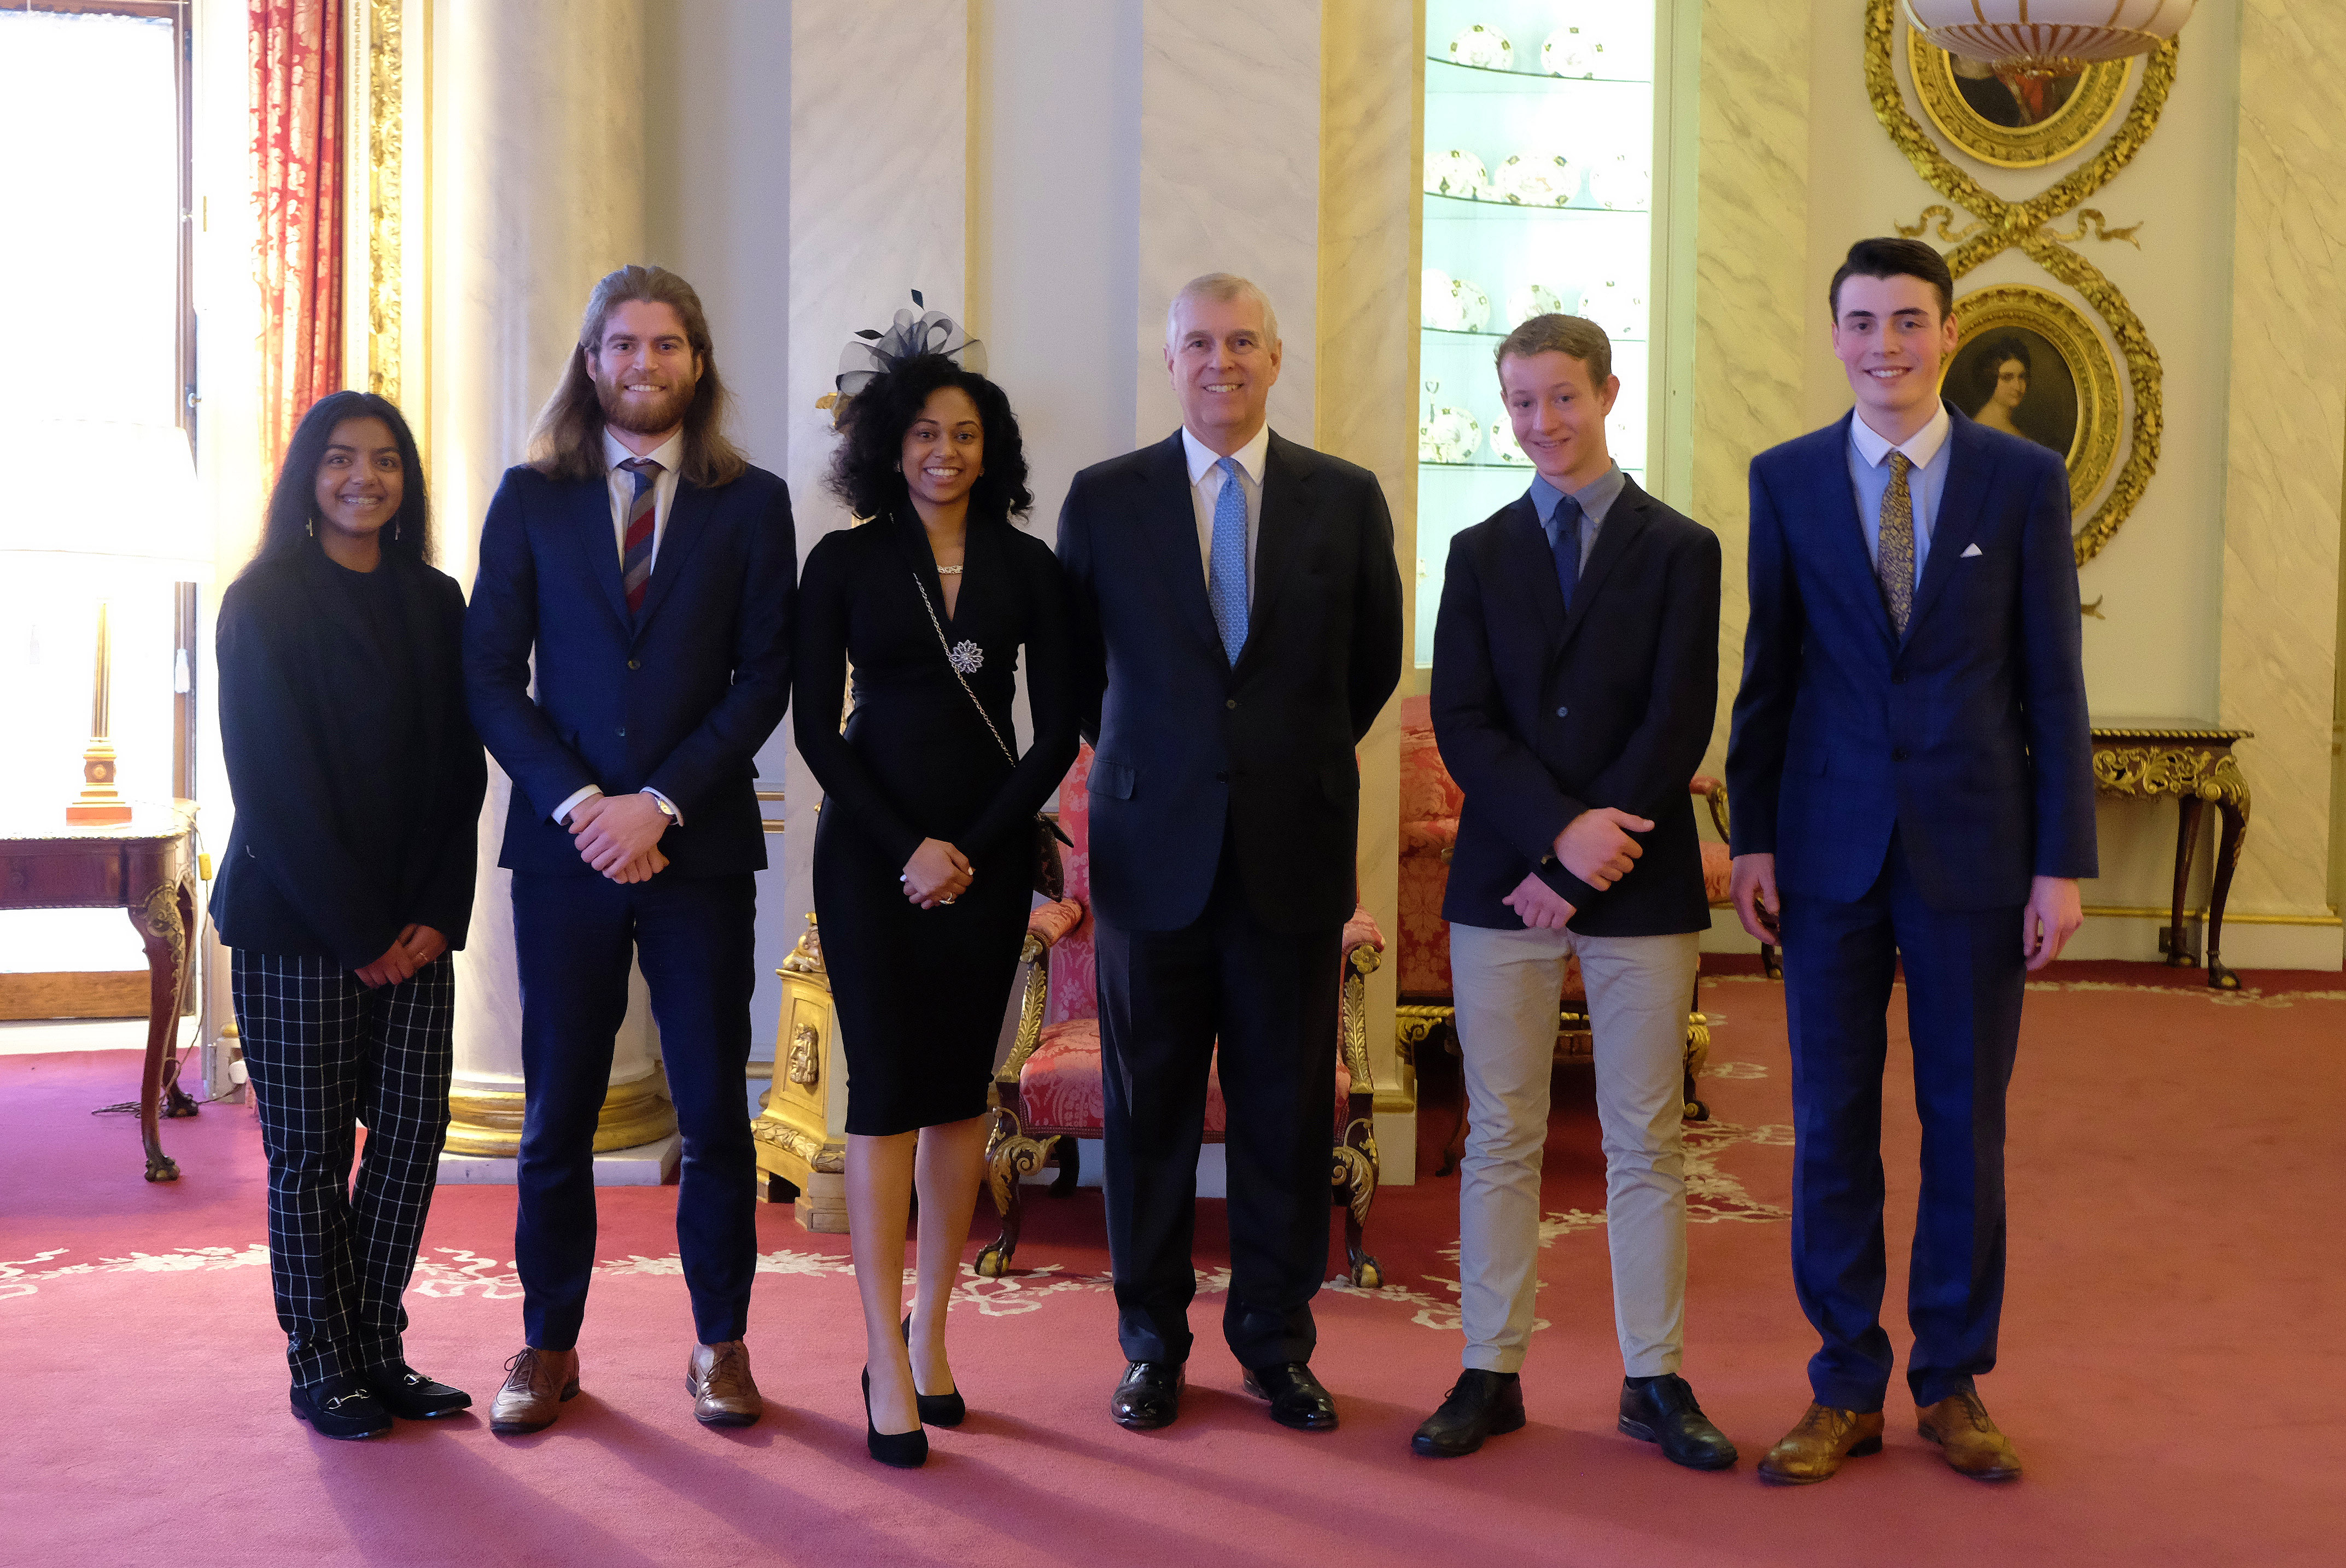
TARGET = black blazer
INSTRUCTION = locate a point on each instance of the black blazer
(678, 698)
(1185, 743)
(301, 726)
(1541, 715)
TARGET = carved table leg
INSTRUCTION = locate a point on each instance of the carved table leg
(2232, 807)
(2189, 811)
(177, 1101)
(165, 934)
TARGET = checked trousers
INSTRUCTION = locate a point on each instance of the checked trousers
(326, 1053)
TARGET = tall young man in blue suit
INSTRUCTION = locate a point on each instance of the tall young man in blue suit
(650, 570)
(1576, 677)
(1911, 778)
(1238, 619)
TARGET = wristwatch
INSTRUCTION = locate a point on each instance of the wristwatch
(665, 810)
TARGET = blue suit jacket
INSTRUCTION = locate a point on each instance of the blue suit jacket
(1188, 744)
(1967, 737)
(678, 698)
(1543, 713)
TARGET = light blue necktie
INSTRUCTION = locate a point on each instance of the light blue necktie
(1225, 572)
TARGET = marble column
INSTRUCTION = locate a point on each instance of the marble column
(2283, 478)
(537, 187)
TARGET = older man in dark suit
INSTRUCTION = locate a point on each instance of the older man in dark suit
(1238, 616)
(1575, 676)
(1913, 791)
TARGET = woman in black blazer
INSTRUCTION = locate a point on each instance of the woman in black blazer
(924, 854)
(348, 877)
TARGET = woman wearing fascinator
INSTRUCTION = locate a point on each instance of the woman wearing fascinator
(924, 859)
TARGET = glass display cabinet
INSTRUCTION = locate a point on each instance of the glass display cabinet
(1540, 195)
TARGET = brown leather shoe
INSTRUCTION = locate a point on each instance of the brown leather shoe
(1812, 1450)
(1967, 1435)
(723, 1393)
(537, 1382)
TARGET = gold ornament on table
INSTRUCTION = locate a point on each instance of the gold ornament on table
(99, 802)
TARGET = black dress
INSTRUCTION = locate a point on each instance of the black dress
(920, 992)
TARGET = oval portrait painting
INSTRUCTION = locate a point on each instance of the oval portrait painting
(2027, 362)
(2014, 381)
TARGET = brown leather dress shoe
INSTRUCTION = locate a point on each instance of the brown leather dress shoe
(723, 1393)
(1812, 1450)
(537, 1382)
(1967, 1435)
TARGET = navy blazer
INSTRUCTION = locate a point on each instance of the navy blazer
(678, 699)
(1188, 745)
(1967, 737)
(1542, 714)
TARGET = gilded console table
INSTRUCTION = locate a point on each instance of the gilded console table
(145, 866)
(803, 1131)
(2147, 759)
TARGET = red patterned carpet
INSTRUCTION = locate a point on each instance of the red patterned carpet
(2173, 1371)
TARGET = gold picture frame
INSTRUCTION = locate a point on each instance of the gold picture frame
(2049, 117)
(2027, 362)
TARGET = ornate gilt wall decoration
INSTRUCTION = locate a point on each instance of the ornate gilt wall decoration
(2028, 364)
(386, 146)
(2024, 226)
(2012, 123)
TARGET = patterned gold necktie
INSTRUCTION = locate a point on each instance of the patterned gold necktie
(1894, 556)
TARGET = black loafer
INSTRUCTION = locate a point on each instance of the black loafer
(1149, 1397)
(1481, 1404)
(1663, 1411)
(412, 1397)
(1296, 1398)
(342, 1408)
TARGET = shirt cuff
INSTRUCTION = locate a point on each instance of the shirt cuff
(561, 813)
(676, 815)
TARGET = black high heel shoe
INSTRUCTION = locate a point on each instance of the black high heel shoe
(936, 1410)
(905, 1451)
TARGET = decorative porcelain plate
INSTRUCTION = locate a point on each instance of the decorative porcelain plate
(1616, 304)
(1447, 435)
(1539, 299)
(1484, 48)
(1622, 181)
(1535, 179)
(1473, 308)
(1504, 447)
(1571, 51)
(1456, 173)
(1437, 307)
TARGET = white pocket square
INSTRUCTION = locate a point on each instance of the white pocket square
(1969, 551)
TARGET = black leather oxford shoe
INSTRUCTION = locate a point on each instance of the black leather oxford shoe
(1296, 1398)
(1149, 1397)
(1663, 1411)
(1481, 1404)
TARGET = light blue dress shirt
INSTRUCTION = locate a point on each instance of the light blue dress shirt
(1869, 469)
(1596, 499)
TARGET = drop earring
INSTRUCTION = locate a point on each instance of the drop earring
(311, 528)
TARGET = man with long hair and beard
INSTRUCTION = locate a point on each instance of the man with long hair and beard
(651, 569)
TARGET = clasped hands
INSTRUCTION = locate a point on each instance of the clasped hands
(936, 874)
(417, 946)
(618, 835)
(1596, 847)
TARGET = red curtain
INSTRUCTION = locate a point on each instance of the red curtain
(295, 55)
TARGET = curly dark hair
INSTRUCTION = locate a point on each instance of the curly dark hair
(867, 472)
(293, 502)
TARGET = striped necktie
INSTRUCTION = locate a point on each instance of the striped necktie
(636, 553)
(1893, 555)
(1225, 572)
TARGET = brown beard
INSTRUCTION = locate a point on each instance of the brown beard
(666, 414)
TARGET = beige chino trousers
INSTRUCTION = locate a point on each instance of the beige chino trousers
(1508, 986)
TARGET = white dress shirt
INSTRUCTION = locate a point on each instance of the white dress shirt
(1206, 481)
(1868, 471)
(667, 454)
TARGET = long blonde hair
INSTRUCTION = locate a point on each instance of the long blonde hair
(566, 441)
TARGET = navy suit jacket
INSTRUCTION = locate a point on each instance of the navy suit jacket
(1185, 743)
(678, 699)
(1543, 714)
(1967, 737)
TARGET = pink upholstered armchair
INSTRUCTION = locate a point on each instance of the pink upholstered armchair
(1049, 1092)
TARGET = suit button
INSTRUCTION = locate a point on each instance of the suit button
(1561, 711)
(1899, 755)
(623, 735)
(1230, 702)
(1898, 679)
(634, 664)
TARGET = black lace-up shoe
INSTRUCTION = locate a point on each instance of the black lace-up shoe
(1149, 1396)
(1663, 1411)
(340, 1407)
(1481, 1404)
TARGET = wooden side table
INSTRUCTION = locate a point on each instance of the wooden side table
(2147, 759)
(145, 866)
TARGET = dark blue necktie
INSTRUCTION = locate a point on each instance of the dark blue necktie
(1565, 540)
